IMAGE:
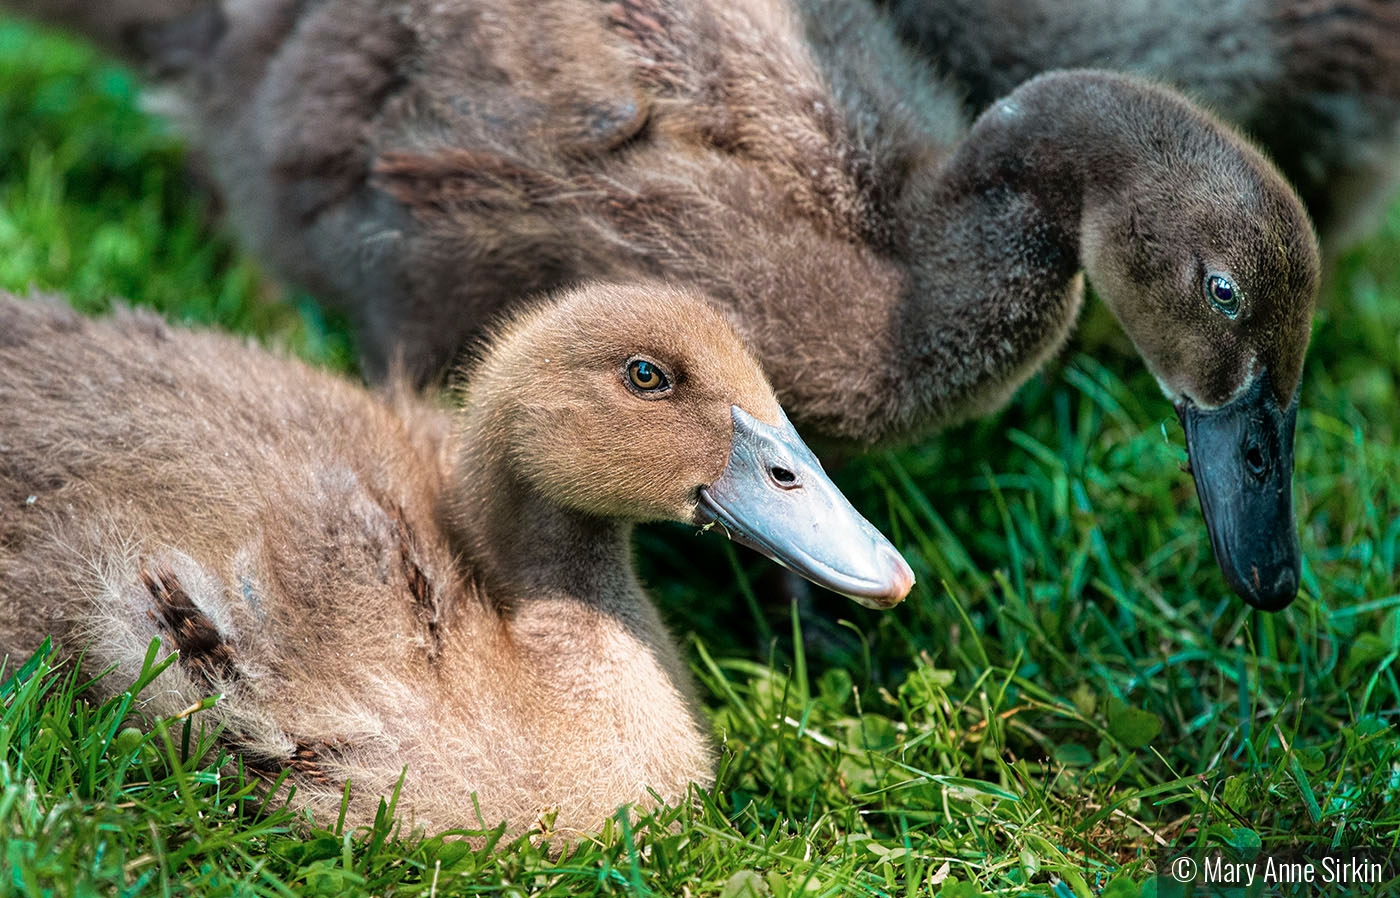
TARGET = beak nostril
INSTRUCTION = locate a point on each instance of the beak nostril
(782, 476)
(1256, 462)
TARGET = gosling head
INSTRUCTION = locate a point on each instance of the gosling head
(641, 403)
(1206, 257)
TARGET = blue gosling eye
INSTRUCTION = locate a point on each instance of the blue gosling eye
(647, 376)
(1223, 294)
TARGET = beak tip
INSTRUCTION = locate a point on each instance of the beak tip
(902, 581)
(1275, 596)
(897, 581)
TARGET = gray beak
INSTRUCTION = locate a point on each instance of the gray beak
(773, 496)
(1241, 456)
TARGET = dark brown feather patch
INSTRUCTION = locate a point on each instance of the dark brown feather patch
(304, 762)
(307, 757)
(203, 651)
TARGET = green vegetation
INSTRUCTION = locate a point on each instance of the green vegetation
(1070, 687)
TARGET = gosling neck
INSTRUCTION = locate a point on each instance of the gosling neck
(572, 654)
(994, 242)
(523, 547)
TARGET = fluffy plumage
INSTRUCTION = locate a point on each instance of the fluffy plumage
(373, 583)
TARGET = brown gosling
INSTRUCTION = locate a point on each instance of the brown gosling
(372, 585)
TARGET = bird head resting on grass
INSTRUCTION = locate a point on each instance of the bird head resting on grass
(373, 585)
(895, 266)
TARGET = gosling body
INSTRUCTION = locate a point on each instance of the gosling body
(372, 584)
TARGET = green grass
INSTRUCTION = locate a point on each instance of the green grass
(1070, 688)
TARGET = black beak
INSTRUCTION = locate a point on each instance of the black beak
(1241, 455)
(773, 496)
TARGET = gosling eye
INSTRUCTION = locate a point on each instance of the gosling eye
(1223, 293)
(646, 379)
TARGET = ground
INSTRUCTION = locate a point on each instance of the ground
(1070, 690)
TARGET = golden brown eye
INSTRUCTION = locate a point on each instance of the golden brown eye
(647, 376)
